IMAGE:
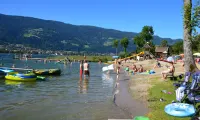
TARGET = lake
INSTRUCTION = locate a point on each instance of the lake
(65, 97)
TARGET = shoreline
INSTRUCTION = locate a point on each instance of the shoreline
(124, 100)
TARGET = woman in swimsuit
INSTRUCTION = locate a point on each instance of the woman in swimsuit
(81, 68)
(170, 70)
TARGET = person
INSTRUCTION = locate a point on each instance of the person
(13, 66)
(158, 65)
(135, 68)
(99, 61)
(141, 69)
(119, 62)
(183, 64)
(115, 61)
(118, 70)
(127, 68)
(170, 70)
(86, 68)
(81, 68)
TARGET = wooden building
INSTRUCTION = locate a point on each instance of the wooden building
(161, 52)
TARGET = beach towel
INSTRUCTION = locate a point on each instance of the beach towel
(180, 93)
(148, 72)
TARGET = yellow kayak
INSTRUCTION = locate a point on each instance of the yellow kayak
(21, 77)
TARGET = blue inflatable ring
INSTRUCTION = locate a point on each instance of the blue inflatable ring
(180, 109)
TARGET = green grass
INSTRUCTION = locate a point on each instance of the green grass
(157, 107)
(86, 46)
(27, 35)
(89, 58)
(107, 43)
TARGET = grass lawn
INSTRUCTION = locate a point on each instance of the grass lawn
(89, 58)
(157, 107)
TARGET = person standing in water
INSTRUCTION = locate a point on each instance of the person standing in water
(86, 68)
(13, 66)
(81, 68)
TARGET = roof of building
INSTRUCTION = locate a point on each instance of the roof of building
(162, 49)
(146, 46)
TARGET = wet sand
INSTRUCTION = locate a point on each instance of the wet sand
(124, 100)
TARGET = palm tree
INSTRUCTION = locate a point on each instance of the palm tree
(115, 44)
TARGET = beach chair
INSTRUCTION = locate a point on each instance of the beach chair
(171, 75)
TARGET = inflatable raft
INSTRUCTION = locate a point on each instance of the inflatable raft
(6, 70)
(14, 76)
(47, 71)
(180, 109)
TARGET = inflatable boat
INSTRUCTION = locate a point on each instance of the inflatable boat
(15, 76)
(47, 71)
(6, 70)
(180, 109)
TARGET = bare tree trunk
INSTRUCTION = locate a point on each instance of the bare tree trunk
(188, 55)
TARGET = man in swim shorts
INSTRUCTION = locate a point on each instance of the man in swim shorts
(86, 68)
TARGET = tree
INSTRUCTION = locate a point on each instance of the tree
(124, 43)
(196, 43)
(147, 33)
(188, 25)
(164, 43)
(115, 44)
(138, 41)
(177, 48)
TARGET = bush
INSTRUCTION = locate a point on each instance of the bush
(123, 54)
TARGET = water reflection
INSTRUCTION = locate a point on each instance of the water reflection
(13, 83)
(83, 85)
(107, 79)
(18, 84)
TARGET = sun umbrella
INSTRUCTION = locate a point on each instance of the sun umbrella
(196, 54)
(115, 57)
(170, 59)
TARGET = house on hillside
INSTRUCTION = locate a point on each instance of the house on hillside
(161, 52)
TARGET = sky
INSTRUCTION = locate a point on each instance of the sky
(126, 15)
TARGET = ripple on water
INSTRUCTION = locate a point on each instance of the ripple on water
(62, 97)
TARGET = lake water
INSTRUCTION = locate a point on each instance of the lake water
(65, 97)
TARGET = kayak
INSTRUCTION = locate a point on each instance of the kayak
(47, 71)
(15, 76)
(180, 109)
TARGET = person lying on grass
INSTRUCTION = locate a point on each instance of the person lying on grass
(170, 70)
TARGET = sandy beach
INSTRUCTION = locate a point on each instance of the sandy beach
(132, 90)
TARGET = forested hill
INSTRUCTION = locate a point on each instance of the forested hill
(54, 35)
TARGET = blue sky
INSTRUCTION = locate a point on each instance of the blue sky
(126, 15)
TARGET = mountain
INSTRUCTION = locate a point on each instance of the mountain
(54, 35)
